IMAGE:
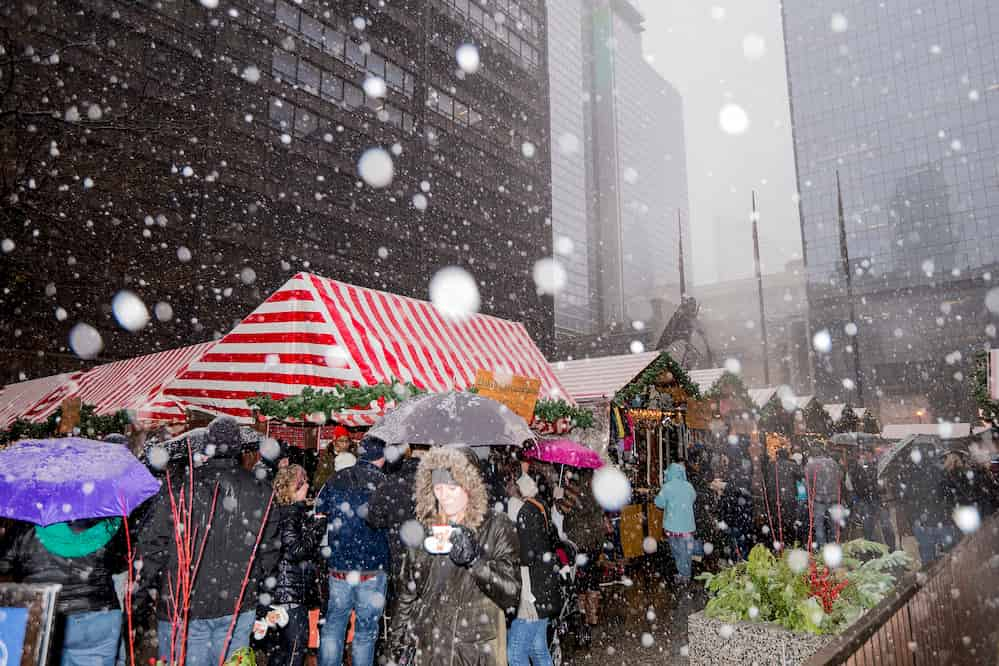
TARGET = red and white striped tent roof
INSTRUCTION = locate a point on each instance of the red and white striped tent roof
(17, 399)
(133, 384)
(318, 332)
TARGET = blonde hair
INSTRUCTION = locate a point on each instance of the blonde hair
(286, 483)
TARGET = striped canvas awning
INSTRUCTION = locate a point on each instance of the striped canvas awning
(17, 399)
(318, 332)
(595, 379)
(133, 384)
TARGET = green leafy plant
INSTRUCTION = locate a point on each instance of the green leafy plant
(550, 411)
(330, 403)
(91, 425)
(815, 599)
(640, 385)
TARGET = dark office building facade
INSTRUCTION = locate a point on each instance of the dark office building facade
(902, 100)
(199, 154)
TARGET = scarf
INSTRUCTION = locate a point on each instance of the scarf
(60, 540)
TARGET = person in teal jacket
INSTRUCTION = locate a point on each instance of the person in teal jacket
(676, 499)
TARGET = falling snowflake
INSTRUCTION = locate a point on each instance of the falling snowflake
(376, 168)
(733, 119)
(467, 56)
(129, 310)
(454, 293)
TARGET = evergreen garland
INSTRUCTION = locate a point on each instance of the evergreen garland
(663, 363)
(988, 408)
(550, 411)
(92, 425)
(731, 387)
(817, 418)
(870, 424)
(774, 418)
(330, 403)
(848, 420)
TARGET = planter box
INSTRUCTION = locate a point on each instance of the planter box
(750, 643)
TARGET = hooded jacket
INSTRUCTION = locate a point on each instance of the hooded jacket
(231, 530)
(451, 614)
(354, 544)
(540, 595)
(676, 499)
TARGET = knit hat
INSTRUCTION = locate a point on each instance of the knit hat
(442, 476)
(339, 431)
(371, 449)
(343, 461)
(225, 437)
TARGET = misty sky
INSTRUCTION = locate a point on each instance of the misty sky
(718, 52)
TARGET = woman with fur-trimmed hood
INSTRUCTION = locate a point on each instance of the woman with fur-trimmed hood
(451, 604)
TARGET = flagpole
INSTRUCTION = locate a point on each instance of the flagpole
(844, 252)
(759, 288)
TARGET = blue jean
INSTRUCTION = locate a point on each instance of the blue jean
(205, 638)
(683, 549)
(91, 639)
(527, 643)
(367, 600)
(930, 536)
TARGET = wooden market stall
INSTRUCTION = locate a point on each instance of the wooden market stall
(656, 414)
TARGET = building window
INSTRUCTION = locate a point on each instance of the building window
(376, 65)
(332, 87)
(282, 114)
(355, 55)
(305, 122)
(287, 15)
(353, 96)
(308, 77)
(335, 42)
(283, 66)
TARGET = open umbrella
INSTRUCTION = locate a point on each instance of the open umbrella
(452, 419)
(564, 452)
(48, 481)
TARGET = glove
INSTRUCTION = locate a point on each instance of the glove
(464, 548)
(259, 629)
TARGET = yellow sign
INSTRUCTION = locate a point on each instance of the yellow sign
(70, 417)
(516, 392)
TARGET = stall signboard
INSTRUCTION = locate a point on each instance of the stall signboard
(27, 619)
(516, 392)
(994, 374)
(69, 417)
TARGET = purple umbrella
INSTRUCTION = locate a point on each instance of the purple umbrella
(46, 481)
(564, 452)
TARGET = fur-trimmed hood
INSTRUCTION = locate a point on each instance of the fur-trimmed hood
(463, 466)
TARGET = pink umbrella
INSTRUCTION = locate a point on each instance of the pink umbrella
(564, 452)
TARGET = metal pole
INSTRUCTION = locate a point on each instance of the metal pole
(844, 252)
(683, 278)
(759, 288)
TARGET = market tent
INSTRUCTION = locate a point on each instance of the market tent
(835, 411)
(761, 396)
(133, 384)
(598, 379)
(322, 333)
(17, 399)
(945, 430)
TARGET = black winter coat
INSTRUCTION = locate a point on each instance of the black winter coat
(452, 613)
(297, 571)
(392, 504)
(537, 553)
(231, 534)
(86, 581)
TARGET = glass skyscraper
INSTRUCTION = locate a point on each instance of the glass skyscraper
(901, 98)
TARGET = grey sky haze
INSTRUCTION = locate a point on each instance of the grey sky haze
(719, 52)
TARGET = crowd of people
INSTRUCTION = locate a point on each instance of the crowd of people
(433, 555)
(817, 497)
(404, 554)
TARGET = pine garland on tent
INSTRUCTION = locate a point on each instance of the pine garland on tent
(731, 387)
(330, 403)
(663, 363)
(552, 411)
(92, 425)
(774, 418)
(848, 420)
(988, 407)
